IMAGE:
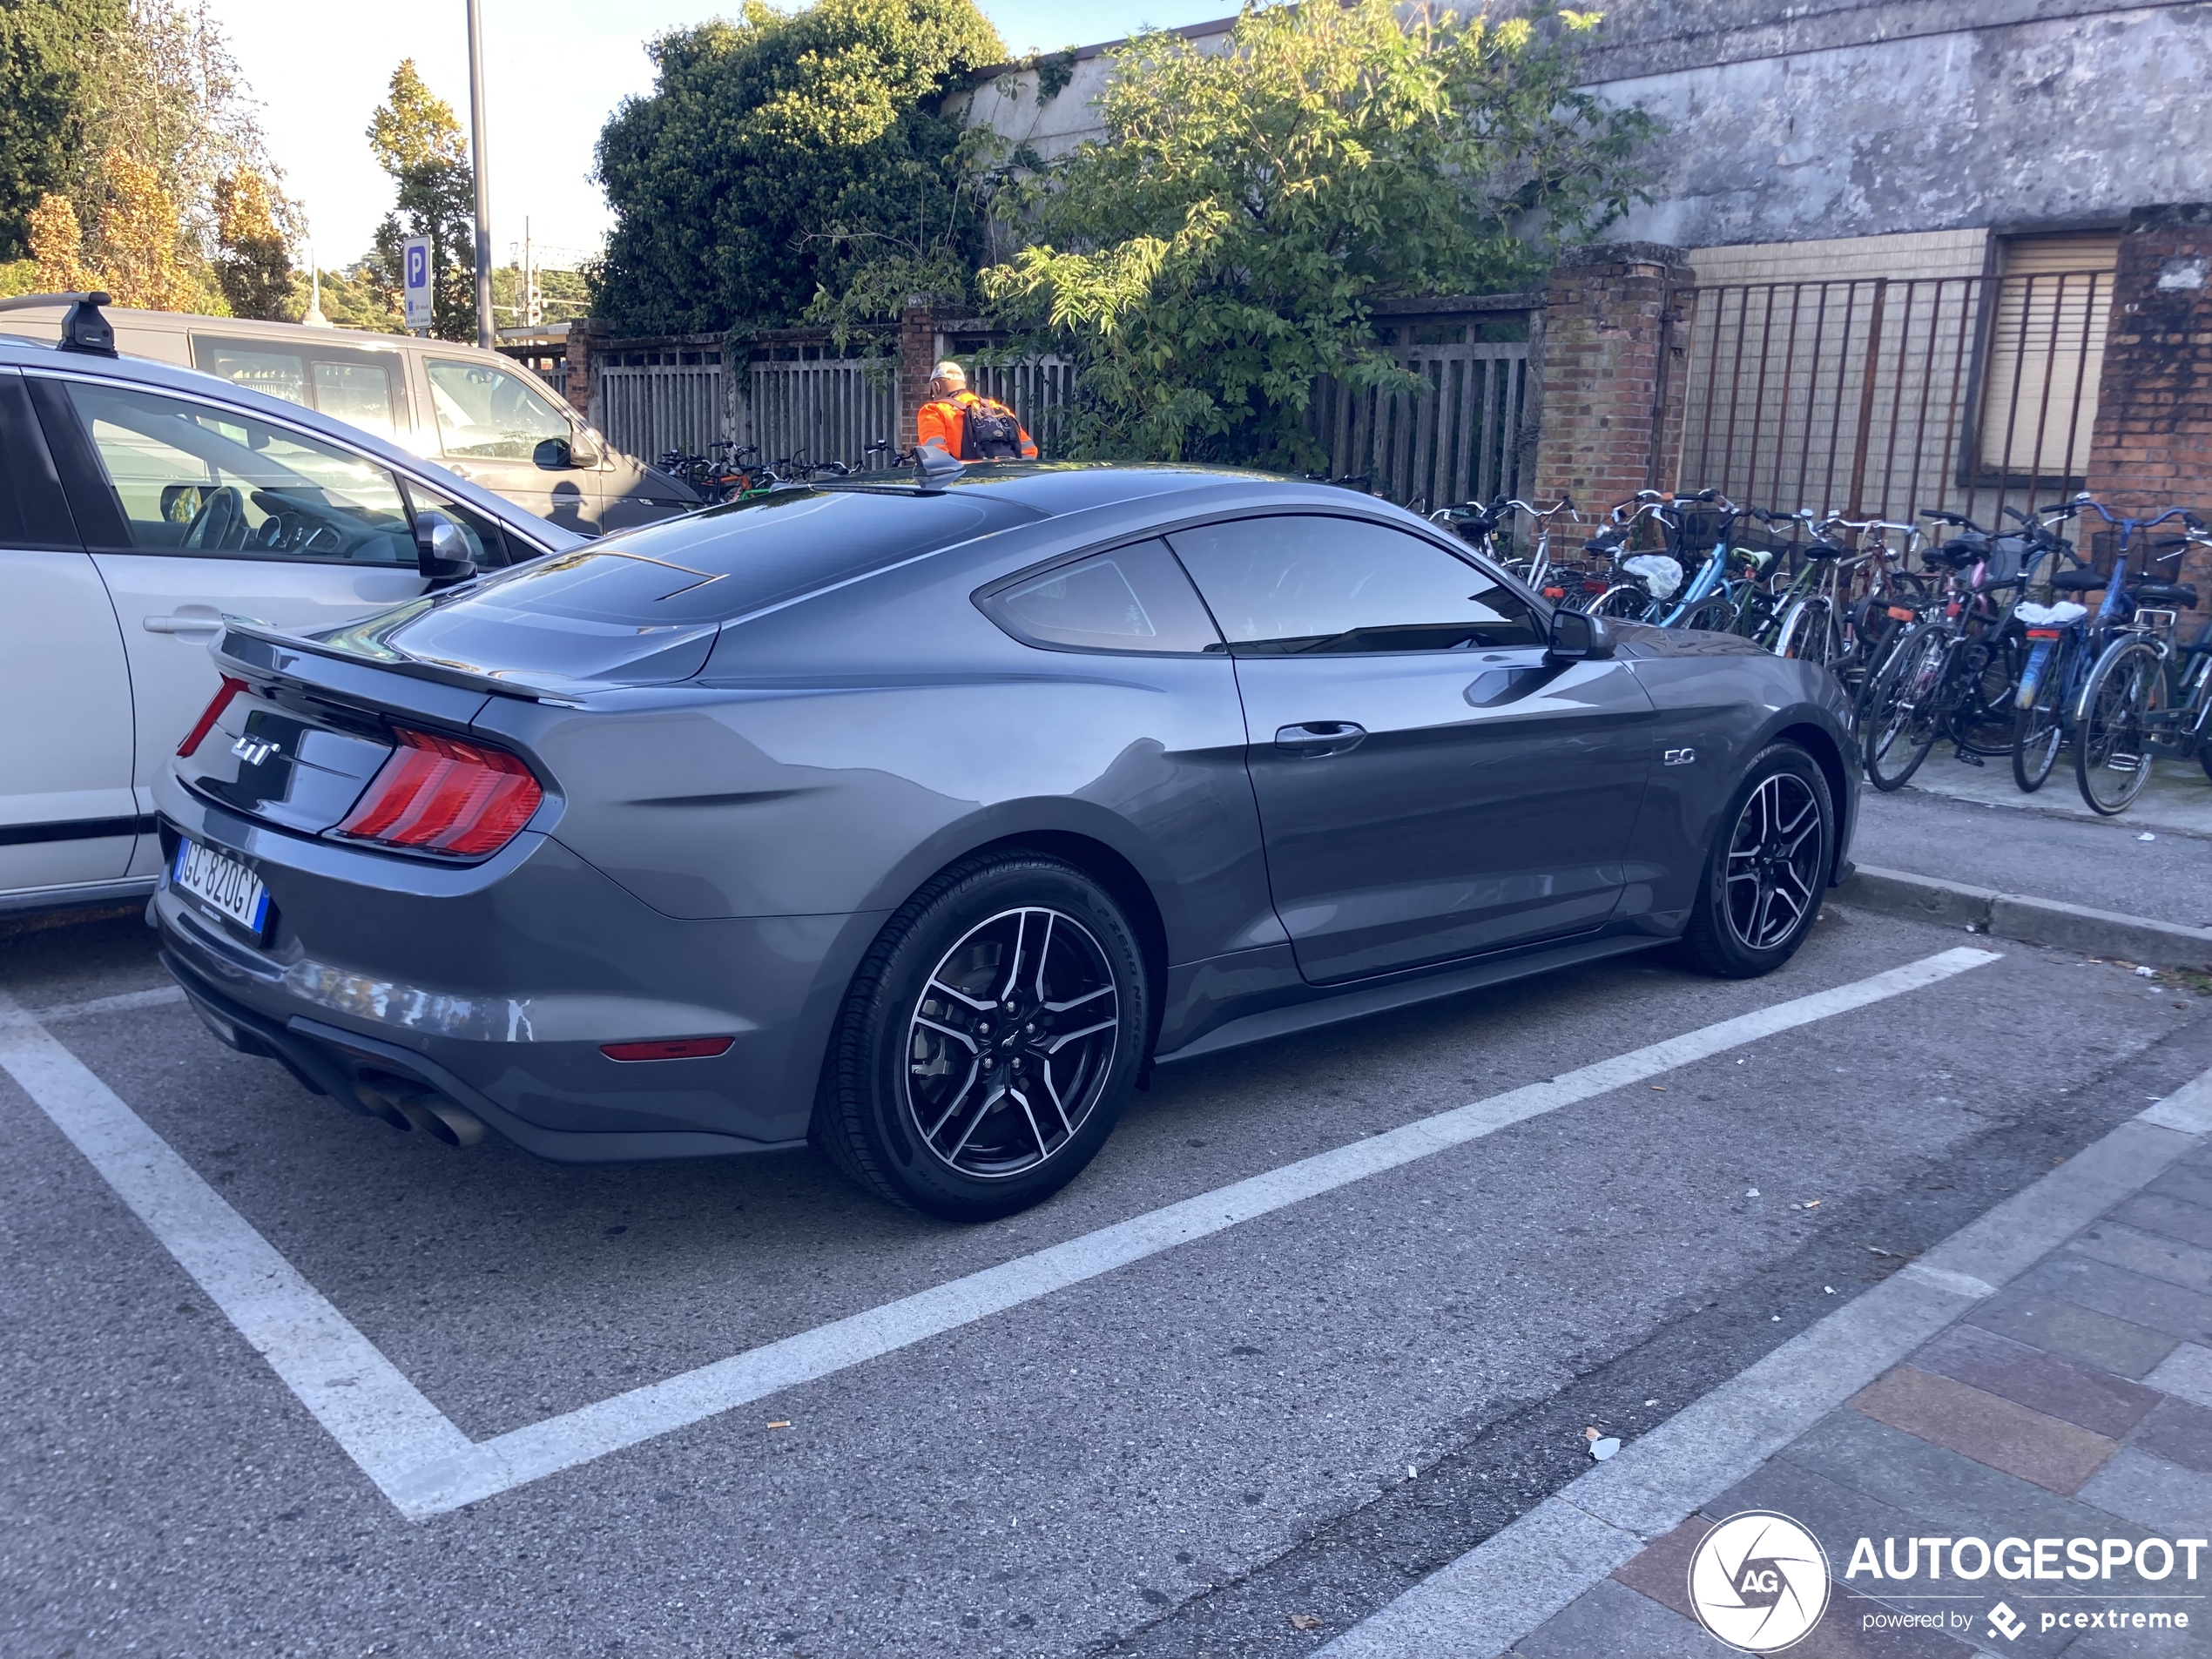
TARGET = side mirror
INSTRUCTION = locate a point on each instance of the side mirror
(554, 455)
(1578, 637)
(441, 551)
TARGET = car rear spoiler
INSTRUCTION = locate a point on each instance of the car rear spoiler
(258, 647)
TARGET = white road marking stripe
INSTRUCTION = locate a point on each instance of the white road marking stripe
(448, 1470)
(160, 995)
(377, 1415)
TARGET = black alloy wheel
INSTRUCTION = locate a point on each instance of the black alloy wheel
(989, 1041)
(1768, 867)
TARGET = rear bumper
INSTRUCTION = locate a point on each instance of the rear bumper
(494, 985)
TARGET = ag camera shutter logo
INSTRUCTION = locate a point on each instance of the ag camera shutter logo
(1759, 1582)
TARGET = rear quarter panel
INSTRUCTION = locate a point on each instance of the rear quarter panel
(840, 751)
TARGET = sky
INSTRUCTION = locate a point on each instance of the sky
(554, 71)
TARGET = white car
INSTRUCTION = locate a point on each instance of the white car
(139, 504)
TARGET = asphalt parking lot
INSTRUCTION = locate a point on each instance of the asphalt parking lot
(1299, 1413)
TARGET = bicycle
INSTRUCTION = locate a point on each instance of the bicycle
(1478, 524)
(1957, 665)
(2140, 700)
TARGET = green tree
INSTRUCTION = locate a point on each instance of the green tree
(254, 267)
(1225, 242)
(418, 141)
(791, 157)
(47, 86)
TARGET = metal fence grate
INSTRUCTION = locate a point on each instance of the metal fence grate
(1462, 440)
(829, 409)
(1886, 396)
(646, 409)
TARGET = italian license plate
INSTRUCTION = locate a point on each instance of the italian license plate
(223, 885)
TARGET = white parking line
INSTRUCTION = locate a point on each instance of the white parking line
(380, 1417)
(160, 997)
(425, 1466)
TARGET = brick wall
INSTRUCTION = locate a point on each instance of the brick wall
(917, 357)
(2151, 448)
(587, 339)
(1616, 320)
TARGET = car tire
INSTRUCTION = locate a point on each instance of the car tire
(1767, 869)
(989, 1041)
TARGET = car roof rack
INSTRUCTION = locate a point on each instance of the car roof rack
(84, 329)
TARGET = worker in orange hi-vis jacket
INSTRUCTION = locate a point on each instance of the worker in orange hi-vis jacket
(967, 426)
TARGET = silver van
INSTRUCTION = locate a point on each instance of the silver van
(473, 412)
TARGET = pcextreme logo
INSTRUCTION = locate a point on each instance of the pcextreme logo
(1759, 1582)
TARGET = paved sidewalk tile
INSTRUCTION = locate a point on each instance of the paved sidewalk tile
(2153, 1213)
(1835, 1513)
(2188, 1266)
(2180, 1433)
(2055, 1455)
(2155, 1494)
(2152, 1302)
(2094, 1398)
(1661, 1570)
(1963, 1497)
(2189, 1180)
(1843, 1634)
(1609, 1620)
(2075, 1333)
(2185, 1373)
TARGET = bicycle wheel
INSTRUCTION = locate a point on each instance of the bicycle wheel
(1624, 602)
(1713, 614)
(1986, 683)
(1810, 633)
(2111, 755)
(2039, 730)
(1905, 711)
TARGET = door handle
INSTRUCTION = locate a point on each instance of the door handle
(1312, 739)
(181, 624)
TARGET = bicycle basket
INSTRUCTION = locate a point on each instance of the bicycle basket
(1701, 528)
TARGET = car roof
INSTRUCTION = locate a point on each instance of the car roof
(1052, 489)
(16, 352)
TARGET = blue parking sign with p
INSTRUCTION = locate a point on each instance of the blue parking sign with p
(416, 280)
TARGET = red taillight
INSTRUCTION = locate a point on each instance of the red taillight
(2042, 633)
(668, 1049)
(440, 795)
(229, 688)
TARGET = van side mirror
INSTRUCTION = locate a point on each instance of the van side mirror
(1578, 637)
(441, 551)
(554, 454)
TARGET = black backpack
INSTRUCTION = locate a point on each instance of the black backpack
(989, 432)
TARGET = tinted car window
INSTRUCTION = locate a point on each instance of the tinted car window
(201, 478)
(661, 592)
(1307, 582)
(1134, 598)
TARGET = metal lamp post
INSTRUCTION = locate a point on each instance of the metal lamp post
(485, 333)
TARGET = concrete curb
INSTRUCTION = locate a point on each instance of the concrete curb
(2032, 922)
(1479, 1605)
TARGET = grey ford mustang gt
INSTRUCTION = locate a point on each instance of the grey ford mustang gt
(918, 818)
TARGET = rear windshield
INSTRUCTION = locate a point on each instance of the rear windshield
(729, 562)
(644, 605)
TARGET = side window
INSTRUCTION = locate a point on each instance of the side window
(357, 387)
(360, 392)
(487, 542)
(1307, 583)
(198, 478)
(488, 413)
(1134, 598)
